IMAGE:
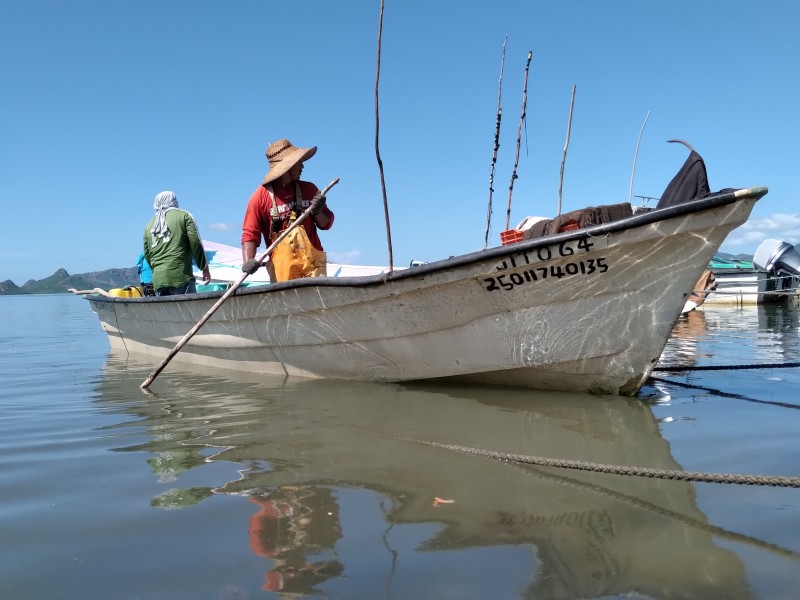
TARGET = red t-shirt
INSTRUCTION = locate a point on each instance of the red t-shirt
(257, 216)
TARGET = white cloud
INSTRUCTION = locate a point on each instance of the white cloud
(219, 227)
(779, 226)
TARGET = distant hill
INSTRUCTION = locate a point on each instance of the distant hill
(747, 257)
(8, 287)
(111, 278)
(60, 282)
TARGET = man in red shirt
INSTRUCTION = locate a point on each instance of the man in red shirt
(277, 202)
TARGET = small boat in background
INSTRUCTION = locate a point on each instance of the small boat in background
(772, 276)
(225, 264)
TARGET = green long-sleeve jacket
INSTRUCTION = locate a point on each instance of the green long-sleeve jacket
(172, 260)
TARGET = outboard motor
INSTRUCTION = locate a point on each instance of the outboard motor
(775, 257)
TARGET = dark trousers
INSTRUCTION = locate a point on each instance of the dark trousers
(187, 288)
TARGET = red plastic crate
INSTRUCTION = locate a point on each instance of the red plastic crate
(510, 236)
(569, 226)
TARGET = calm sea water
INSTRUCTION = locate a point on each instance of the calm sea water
(222, 486)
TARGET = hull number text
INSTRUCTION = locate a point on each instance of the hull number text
(511, 280)
(545, 253)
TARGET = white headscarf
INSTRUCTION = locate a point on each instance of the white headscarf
(164, 202)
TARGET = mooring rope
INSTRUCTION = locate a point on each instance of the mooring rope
(740, 293)
(765, 480)
(791, 365)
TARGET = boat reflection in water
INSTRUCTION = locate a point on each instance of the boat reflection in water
(765, 334)
(770, 331)
(345, 502)
(297, 526)
(684, 345)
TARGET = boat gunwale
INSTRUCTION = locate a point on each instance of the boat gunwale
(638, 220)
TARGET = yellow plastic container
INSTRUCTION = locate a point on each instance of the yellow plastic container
(127, 292)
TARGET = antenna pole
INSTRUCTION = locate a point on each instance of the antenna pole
(636, 155)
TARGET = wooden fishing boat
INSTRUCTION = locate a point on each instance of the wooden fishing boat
(585, 310)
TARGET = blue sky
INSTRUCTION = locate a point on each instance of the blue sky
(106, 103)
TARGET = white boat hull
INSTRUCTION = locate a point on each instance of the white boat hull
(750, 287)
(589, 310)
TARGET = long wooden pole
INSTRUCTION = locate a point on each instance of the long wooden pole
(519, 135)
(564, 155)
(228, 293)
(496, 144)
(377, 149)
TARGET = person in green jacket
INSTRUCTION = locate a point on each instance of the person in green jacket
(171, 241)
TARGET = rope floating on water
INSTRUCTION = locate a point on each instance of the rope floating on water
(765, 480)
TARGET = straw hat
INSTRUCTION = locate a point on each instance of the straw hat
(282, 156)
